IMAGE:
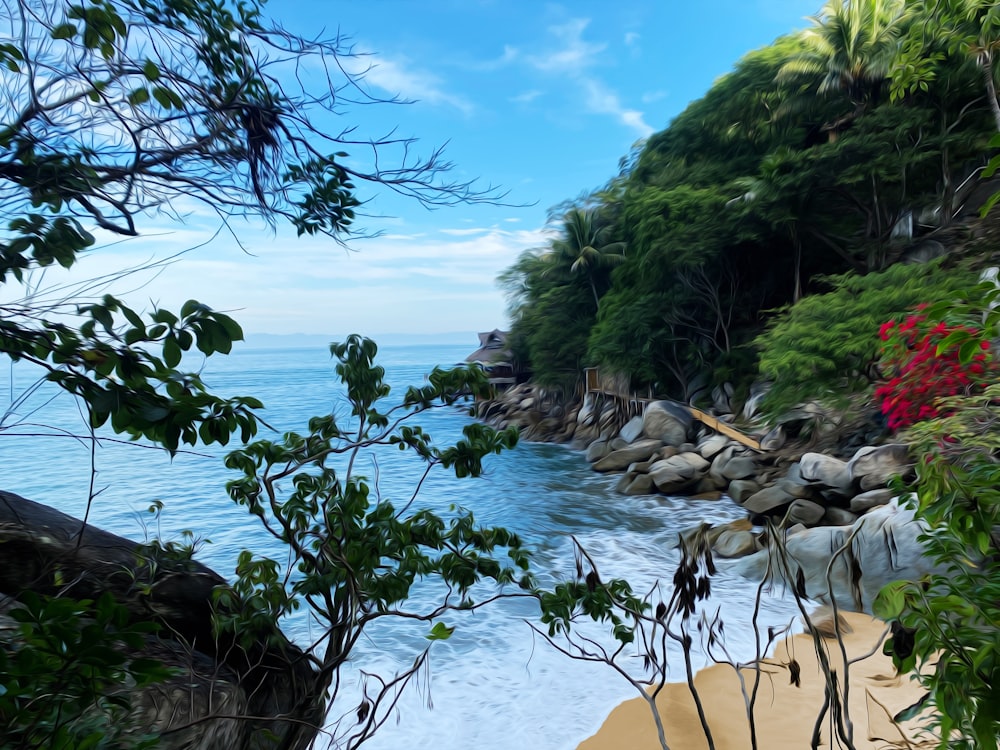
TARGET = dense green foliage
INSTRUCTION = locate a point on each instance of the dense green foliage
(813, 157)
(827, 345)
(955, 616)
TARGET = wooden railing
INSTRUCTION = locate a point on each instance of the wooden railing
(635, 404)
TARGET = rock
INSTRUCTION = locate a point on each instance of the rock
(667, 451)
(885, 546)
(687, 448)
(806, 512)
(873, 467)
(624, 481)
(618, 443)
(795, 489)
(734, 544)
(741, 489)
(620, 459)
(839, 517)
(773, 440)
(871, 499)
(767, 500)
(826, 470)
(719, 463)
(710, 495)
(739, 467)
(640, 467)
(711, 446)
(642, 484)
(667, 422)
(695, 460)
(632, 430)
(676, 464)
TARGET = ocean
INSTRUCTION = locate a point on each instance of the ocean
(494, 684)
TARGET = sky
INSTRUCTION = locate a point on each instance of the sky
(539, 101)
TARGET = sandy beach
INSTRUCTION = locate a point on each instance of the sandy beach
(785, 715)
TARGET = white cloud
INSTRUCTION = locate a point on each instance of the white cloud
(631, 38)
(526, 97)
(654, 96)
(603, 100)
(400, 78)
(572, 55)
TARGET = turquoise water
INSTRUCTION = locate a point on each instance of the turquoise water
(493, 685)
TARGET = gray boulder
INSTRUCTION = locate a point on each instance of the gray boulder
(873, 467)
(712, 445)
(872, 499)
(767, 500)
(805, 512)
(741, 489)
(667, 422)
(839, 517)
(632, 430)
(773, 440)
(620, 459)
(735, 543)
(739, 467)
(598, 450)
(884, 543)
(826, 470)
(641, 484)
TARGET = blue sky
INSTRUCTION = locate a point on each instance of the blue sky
(542, 100)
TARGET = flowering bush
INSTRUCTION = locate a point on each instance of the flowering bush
(924, 363)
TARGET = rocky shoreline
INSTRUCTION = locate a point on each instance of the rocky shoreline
(823, 506)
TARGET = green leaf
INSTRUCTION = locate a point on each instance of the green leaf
(64, 31)
(138, 96)
(440, 632)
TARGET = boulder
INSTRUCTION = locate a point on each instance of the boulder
(884, 544)
(773, 440)
(676, 464)
(617, 443)
(719, 463)
(805, 512)
(873, 498)
(632, 430)
(712, 445)
(835, 516)
(641, 484)
(767, 500)
(826, 470)
(694, 460)
(732, 543)
(739, 467)
(620, 459)
(741, 489)
(873, 467)
(672, 476)
(667, 422)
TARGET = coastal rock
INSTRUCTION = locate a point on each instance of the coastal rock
(767, 500)
(642, 484)
(839, 517)
(774, 440)
(632, 430)
(805, 512)
(826, 470)
(733, 543)
(741, 489)
(873, 467)
(873, 498)
(712, 445)
(620, 459)
(719, 463)
(667, 422)
(885, 546)
(739, 467)
(694, 460)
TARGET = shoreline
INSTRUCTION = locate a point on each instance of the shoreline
(784, 715)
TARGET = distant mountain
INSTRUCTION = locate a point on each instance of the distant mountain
(297, 340)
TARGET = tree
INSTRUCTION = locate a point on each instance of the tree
(851, 47)
(583, 246)
(121, 107)
(965, 29)
(112, 110)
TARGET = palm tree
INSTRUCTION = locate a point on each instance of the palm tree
(583, 247)
(851, 47)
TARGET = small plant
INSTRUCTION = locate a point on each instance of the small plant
(66, 677)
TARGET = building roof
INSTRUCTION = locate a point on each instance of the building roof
(492, 348)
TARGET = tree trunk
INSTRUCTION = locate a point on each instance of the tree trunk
(986, 64)
(53, 554)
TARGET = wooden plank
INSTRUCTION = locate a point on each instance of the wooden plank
(724, 428)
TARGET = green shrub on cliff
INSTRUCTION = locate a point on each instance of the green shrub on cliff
(826, 347)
